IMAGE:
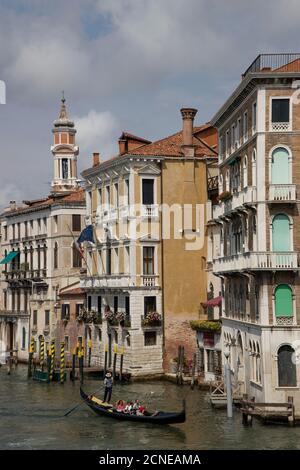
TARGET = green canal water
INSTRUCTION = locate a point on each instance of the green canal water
(31, 417)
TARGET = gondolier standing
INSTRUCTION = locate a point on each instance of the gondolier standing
(108, 383)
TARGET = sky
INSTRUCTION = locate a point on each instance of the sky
(124, 65)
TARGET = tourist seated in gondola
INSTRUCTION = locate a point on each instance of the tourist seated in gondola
(140, 411)
(136, 405)
(120, 406)
(129, 408)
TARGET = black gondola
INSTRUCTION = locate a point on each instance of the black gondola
(158, 418)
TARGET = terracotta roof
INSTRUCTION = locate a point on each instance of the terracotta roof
(60, 198)
(74, 291)
(134, 137)
(293, 66)
(171, 146)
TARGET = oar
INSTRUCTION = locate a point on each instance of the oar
(78, 404)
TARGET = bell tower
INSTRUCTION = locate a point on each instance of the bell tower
(64, 152)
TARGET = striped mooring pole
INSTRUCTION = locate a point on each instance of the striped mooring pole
(30, 357)
(62, 362)
(42, 352)
(121, 363)
(52, 355)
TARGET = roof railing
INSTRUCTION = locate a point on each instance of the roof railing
(286, 62)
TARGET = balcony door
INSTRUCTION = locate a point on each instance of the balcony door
(281, 233)
(280, 167)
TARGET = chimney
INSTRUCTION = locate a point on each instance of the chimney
(122, 146)
(96, 159)
(188, 115)
(12, 205)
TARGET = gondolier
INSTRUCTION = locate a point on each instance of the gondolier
(108, 383)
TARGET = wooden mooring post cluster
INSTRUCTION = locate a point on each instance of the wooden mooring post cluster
(267, 412)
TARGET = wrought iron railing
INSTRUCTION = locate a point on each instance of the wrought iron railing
(287, 62)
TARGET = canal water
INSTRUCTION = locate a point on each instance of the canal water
(31, 417)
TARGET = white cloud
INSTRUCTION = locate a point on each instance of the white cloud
(97, 133)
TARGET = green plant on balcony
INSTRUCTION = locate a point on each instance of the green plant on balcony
(24, 266)
(152, 319)
(111, 318)
(206, 325)
(224, 196)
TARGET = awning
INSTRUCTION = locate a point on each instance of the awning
(9, 257)
(216, 302)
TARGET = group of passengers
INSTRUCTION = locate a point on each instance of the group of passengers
(132, 408)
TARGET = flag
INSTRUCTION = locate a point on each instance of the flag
(86, 235)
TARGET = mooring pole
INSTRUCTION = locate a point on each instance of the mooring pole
(90, 352)
(30, 356)
(42, 353)
(227, 371)
(105, 360)
(52, 354)
(115, 360)
(121, 363)
(73, 365)
(62, 362)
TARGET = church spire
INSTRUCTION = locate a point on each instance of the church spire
(64, 151)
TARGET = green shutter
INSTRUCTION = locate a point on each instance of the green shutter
(281, 233)
(283, 301)
(280, 166)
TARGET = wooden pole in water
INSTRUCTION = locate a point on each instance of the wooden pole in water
(80, 361)
(30, 356)
(115, 360)
(105, 360)
(62, 362)
(89, 352)
(42, 353)
(193, 372)
(73, 365)
(48, 364)
(181, 365)
(52, 354)
(121, 363)
(178, 364)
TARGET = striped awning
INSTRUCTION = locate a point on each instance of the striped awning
(8, 258)
(216, 302)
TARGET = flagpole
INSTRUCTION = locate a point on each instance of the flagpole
(82, 256)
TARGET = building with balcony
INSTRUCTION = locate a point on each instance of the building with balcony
(254, 243)
(38, 254)
(146, 273)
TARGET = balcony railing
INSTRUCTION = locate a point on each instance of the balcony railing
(238, 199)
(282, 192)
(114, 280)
(289, 62)
(280, 126)
(150, 210)
(13, 313)
(149, 281)
(284, 321)
(257, 261)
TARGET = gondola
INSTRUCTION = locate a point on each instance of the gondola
(107, 410)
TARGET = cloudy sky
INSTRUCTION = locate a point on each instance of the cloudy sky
(124, 65)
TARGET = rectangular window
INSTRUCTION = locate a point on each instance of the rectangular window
(238, 131)
(148, 260)
(65, 168)
(210, 360)
(55, 224)
(127, 199)
(150, 338)
(99, 304)
(227, 142)
(116, 302)
(116, 195)
(99, 193)
(89, 303)
(35, 317)
(47, 317)
(76, 223)
(78, 308)
(245, 126)
(127, 306)
(148, 191)
(254, 117)
(65, 312)
(126, 260)
(107, 195)
(149, 304)
(116, 261)
(108, 261)
(5, 232)
(67, 344)
(281, 110)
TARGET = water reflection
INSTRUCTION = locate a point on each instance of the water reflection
(31, 417)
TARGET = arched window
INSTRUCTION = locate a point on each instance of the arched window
(280, 173)
(286, 367)
(77, 260)
(283, 301)
(281, 240)
(245, 171)
(227, 181)
(23, 338)
(55, 256)
(45, 256)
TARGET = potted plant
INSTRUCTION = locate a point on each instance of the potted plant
(152, 319)
(224, 196)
